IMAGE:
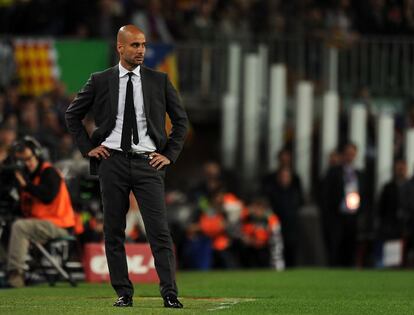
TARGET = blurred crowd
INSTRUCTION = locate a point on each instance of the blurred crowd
(171, 20)
(213, 222)
(217, 225)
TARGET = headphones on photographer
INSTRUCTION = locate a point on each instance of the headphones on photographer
(31, 143)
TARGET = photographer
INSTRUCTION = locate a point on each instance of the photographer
(45, 204)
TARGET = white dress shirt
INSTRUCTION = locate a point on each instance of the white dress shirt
(113, 141)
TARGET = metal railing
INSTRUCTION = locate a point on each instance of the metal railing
(385, 65)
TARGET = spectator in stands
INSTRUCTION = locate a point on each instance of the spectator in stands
(109, 17)
(8, 135)
(57, 100)
(285, 198)
(228, 24)
(211, 180)
(29, 117)
(407, 203)
(12, 99)
(394, 18)
(258, 224)
(314, 21)
(151, 20)
(259, 16)
(344, 200)
(340, 21)
(45, 203)
(334, 160)
(372, 17)
(277, 19)
(391, 204)
(66, 147)
(209, 241)
(203, 26)
(51, 133)
(408, 12)
(284, 160)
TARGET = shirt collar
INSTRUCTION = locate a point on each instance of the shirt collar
(123, 71)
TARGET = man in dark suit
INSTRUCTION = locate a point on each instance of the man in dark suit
(129, 151)
(344, 207)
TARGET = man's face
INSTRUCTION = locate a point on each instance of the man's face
(285, 159)
(400, 169)
(285, 177)
(211, 170)
(132, 48)
(29, 159)
(349, 154)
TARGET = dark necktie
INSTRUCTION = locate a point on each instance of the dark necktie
(129, 126)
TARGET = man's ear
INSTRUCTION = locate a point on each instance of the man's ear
(119, 47)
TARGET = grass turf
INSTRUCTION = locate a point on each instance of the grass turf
(302, 291)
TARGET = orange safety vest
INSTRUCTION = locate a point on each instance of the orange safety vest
(59, 211)
(213, 226)
(259, 229)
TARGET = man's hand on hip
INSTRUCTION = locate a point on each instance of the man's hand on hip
(100, 152)
(158, 160)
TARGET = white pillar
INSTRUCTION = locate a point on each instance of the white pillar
(250, 117)
(385, 150)
(333, 69)
(229, 138)
(230, 109)
(277, 113)
(303, 134)
(233, 83)
(409, 150)
(330, 114)
(264, 70)
(358, 133)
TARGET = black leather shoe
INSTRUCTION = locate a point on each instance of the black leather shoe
(171, 301)
(124, 301)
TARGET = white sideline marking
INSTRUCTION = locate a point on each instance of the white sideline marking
(229, 303)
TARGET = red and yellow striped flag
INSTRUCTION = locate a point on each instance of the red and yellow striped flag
(36, 65)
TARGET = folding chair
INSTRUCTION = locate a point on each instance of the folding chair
(53, 259)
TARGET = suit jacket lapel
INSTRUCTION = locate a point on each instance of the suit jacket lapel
(146, 90)
(113, 81)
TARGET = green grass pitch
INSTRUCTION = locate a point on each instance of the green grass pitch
(301, 291)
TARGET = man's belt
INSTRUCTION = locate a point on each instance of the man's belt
(132, 155)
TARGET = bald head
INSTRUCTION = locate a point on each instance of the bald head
(131, 46)
(126, 31)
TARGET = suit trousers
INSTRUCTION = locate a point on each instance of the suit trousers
(118, 176)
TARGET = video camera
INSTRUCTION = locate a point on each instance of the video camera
(9, 196)
(10, 166)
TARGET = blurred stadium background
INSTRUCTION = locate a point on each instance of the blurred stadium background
(274, 91)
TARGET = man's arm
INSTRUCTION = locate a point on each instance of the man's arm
(179, 122)
(75, 114)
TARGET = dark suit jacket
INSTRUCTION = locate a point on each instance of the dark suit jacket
(100, 95)
(334, 191)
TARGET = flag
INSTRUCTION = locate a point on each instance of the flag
(40, 62)
(162, 57)
(36, 65)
